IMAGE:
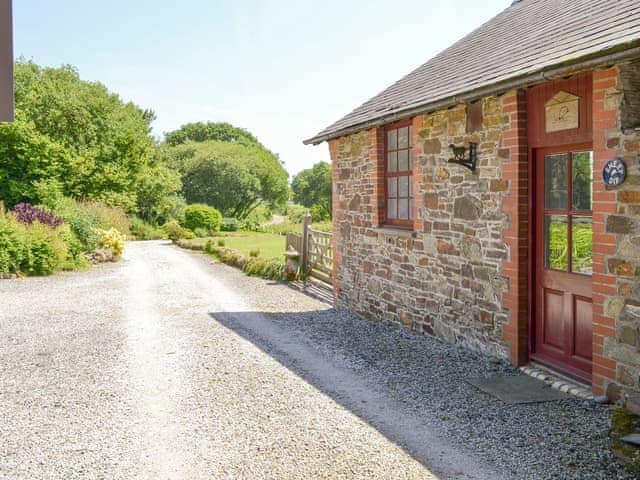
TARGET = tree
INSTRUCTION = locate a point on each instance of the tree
(210, 131)
(312, 188)
(155, 190)
(26, 157)
(108, 141)
(234, 178)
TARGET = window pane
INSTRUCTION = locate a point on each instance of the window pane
(392, 162)
(403, 137)
(410, 209)
(392, 139)
(410, 159)
(392, 188)
(392, 209)
(556, 242)
(403, 160)
(582, 245)
(403, 209)
(582, 180)
(403, 187)
(410, 186)
(555, 181)
(410, 136)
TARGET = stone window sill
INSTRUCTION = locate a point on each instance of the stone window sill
(396, 232)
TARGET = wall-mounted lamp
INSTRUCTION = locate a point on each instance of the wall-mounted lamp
(460, 155)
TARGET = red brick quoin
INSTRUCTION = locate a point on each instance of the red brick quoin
(604, 244)
(515, 170)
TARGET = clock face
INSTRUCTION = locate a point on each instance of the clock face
(614, 172)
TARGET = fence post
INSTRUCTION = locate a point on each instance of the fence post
(306, 223)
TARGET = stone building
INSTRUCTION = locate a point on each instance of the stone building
(530, 256)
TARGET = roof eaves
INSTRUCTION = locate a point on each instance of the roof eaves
(617, 53)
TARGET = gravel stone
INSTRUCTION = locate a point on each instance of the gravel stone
(166, 365)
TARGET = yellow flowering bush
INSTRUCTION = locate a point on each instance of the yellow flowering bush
(114, 240)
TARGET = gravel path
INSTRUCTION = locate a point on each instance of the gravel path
(165, 366)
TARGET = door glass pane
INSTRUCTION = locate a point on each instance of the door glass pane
(392, 209)
(582, 245)
(556, 242)
(403, 160)
(392, 190)
(403, 137)
(392, 139)
(582, 180)
(403, 186)
(392, 162)
(403, 209)
(556, 181)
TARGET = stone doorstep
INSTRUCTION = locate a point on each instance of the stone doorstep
(559, 382)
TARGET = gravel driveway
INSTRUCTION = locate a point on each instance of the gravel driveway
(166, 366)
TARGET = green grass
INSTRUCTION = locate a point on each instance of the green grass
(269, 244)
(289, 227)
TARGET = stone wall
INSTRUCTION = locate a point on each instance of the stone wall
(445, 278)
(616, 235)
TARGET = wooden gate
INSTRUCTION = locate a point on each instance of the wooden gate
(315, 249)
(320, 257)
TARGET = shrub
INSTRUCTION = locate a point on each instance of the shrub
(86, 219)
(37, 249)
(27, 213)
(261, 267)
(141, 230)
(175, 232)
(208, 247)
(201, 232)
(229, 225)
(221, 242)
(295, 212)
(254, 253)
(202, 216)
(11, 246)
(319, 213)
(114, 240)
(45, 250)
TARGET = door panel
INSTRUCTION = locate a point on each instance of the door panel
(583, 342)
(563, 252)
(553, 307)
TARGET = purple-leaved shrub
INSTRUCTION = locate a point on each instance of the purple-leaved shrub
(27, 214)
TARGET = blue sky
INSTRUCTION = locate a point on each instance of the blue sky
(282, 69)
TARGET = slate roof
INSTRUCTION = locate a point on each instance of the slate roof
(527, 39)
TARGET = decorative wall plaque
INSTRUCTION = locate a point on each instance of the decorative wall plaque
(614, 172)
(562, 112)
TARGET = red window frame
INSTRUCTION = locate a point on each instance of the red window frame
(389, 219)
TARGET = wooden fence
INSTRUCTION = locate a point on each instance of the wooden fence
(316, 251)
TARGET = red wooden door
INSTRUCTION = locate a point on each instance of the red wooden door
(563, 252)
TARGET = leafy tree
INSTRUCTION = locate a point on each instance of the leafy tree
(312, 188)
(234, 178)
(27, 156)
(210, 131)
(106, 141)
(155, 191)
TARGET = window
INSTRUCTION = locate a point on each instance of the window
(399, 174)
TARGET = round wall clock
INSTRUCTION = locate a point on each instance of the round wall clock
(614, 172)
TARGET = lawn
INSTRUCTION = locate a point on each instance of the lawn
(270, 245)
